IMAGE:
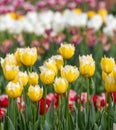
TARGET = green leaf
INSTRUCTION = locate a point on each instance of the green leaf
(50, 115)
(11, 124)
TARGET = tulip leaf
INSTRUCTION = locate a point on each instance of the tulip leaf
(11, 124)
(50, 115)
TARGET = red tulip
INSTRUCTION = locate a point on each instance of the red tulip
(21, 103)
(99, 101)
(3, 101)
(2, 112)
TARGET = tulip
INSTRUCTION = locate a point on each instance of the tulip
(78, 11)
(103, 13)
(107, 64)
(33, 78)
(110, 83)
(4, 101)
(60, 85)
(47, 76)
(67, 50)
(51, 64)
(99, 101)
(42, 104)
(69, 72)
(10, 71)
(14, 90)
(59, 61)
(87, 65)
(91, 14)
(8, 60)
(2, 113)
(28, 56)
(20, 103)
(35, 93)
(18, 56)
(21, 77)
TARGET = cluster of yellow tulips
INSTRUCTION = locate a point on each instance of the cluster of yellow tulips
(109, 73)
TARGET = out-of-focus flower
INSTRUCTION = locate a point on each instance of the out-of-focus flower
(107, 64)
(87, 65)
(59, 61)
(110, 83)
(95, 22)
(21, 77)
(71, 73)
(14, 16)
(114, 96)
(72, 98)
(5, 46)
(77, 10)
(76, 39)
(41, 102)
(3, 100)
(59, 38)
(60, 85)
(28, 56)
(21, 103)
(33, 78)
(82, 98)
(14, 90)
(47, 76)
(67, 50)
(52, 97)
(35, 93)
(73, 30)
(103, 13)
(2, 113)
(99, 101)
(91, 14)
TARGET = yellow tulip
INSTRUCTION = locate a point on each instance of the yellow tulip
(33, 78)
(91, 14)
(59, 61)
(8, 60)
(69, 72)
(35, 93)
(14, 90)
(60, 85)
(67, 50)
(47, 76)
(28, 56)
(10, 71)
(104, 75)
(110, 83)
(77, 11)
(103, 13)
(107, 64)
(21, 77)
(18, 56)
(15, 16)
(87, 65)
(114, 72)
(51, 64)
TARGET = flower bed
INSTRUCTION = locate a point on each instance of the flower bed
(57, 95)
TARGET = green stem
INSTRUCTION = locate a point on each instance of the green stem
(9, 102)
(88, 92)
(109, 102)
(67, 100)
(45, 93)
(59, 105)
(14, 111)
(34, 115)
